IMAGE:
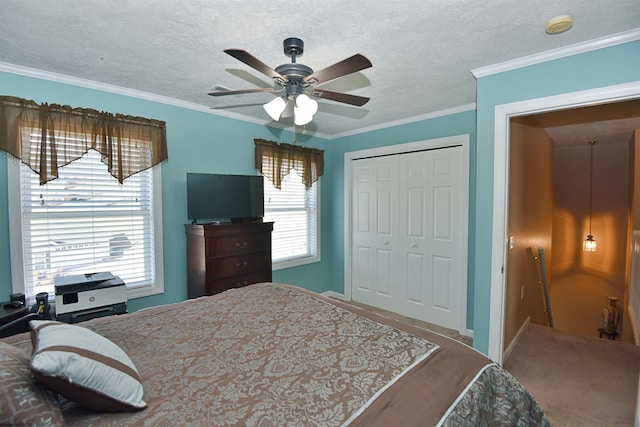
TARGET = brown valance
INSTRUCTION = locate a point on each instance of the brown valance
(275, 161)
(46, 137)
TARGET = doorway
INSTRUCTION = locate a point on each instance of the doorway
(558, 195)
(503, 115)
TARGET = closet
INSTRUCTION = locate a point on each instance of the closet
(409, 233)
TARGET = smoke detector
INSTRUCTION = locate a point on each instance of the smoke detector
(559, 24)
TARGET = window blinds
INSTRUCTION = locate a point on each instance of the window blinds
(294, 211)
(85, 222)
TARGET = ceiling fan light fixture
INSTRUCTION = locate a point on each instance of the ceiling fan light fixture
(310, 106)
(302, 119)
(275, 108)
(305, 109)
(294, 79)
(288, 111)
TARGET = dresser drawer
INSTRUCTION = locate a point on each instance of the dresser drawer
(240, 244)
(238, 265)
(216, 286)
(225, 256)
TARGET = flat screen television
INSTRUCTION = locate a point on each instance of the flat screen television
(224, 198)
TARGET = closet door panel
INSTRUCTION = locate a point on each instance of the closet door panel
(414, 202)
(441, 279)
(375, 222)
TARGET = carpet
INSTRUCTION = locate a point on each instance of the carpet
(577, 380)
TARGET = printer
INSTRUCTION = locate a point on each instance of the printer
(87, 296)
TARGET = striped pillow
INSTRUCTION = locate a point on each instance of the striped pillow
(84, 367)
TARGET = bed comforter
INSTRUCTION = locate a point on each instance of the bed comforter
(275, 355)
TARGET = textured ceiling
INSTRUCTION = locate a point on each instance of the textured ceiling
(422, 51)
(608, 124)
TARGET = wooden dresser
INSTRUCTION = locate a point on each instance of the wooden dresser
(225, 256)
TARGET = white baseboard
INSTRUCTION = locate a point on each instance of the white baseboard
(333, 294)
(515, 339)
(469, 333)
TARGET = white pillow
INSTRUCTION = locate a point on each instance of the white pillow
(84, 367)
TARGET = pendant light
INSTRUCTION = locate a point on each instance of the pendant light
(589, 244)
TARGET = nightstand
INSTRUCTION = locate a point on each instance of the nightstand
(10, 314)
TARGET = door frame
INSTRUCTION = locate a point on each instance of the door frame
(503, 114)
(430, 144)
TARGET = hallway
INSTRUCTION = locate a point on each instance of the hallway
(561, 189)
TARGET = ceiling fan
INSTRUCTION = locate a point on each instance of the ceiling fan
(295, 82)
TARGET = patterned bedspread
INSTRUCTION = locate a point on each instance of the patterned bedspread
(276, 355)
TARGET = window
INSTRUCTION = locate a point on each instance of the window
(85, 221)
(295, 212)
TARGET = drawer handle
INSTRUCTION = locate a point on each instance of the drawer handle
(241, 284)
(241, 245)
(241, 264)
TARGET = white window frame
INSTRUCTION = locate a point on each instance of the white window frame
(303, 260)
(16, 234)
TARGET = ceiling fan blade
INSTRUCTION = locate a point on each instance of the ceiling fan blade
(347, 66)
(340, 97)
(253, 62)
(238, 92)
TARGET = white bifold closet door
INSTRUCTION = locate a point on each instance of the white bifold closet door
(407, 234)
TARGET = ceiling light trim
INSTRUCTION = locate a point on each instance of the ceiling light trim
(563, 52)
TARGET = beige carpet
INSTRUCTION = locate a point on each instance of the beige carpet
(576, 379)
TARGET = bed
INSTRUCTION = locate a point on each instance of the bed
(273, 355)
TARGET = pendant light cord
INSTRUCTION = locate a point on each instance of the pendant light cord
(591, 187)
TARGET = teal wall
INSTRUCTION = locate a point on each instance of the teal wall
(206, 143)
(453, 124)
(197, 142)
(605, 67)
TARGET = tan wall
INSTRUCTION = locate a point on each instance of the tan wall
(631, 322)
(634, 176)
(582, 281)
(529, 222)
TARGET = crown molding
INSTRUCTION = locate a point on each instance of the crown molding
(119, 90)
(408, 120)
(563, 52)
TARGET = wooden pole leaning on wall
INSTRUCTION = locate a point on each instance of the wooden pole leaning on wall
(541, 270)
(545, 286)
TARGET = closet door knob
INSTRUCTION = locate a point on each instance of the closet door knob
(413, 245)
(386, 242)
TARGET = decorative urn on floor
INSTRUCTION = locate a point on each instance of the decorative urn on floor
(611, 316)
